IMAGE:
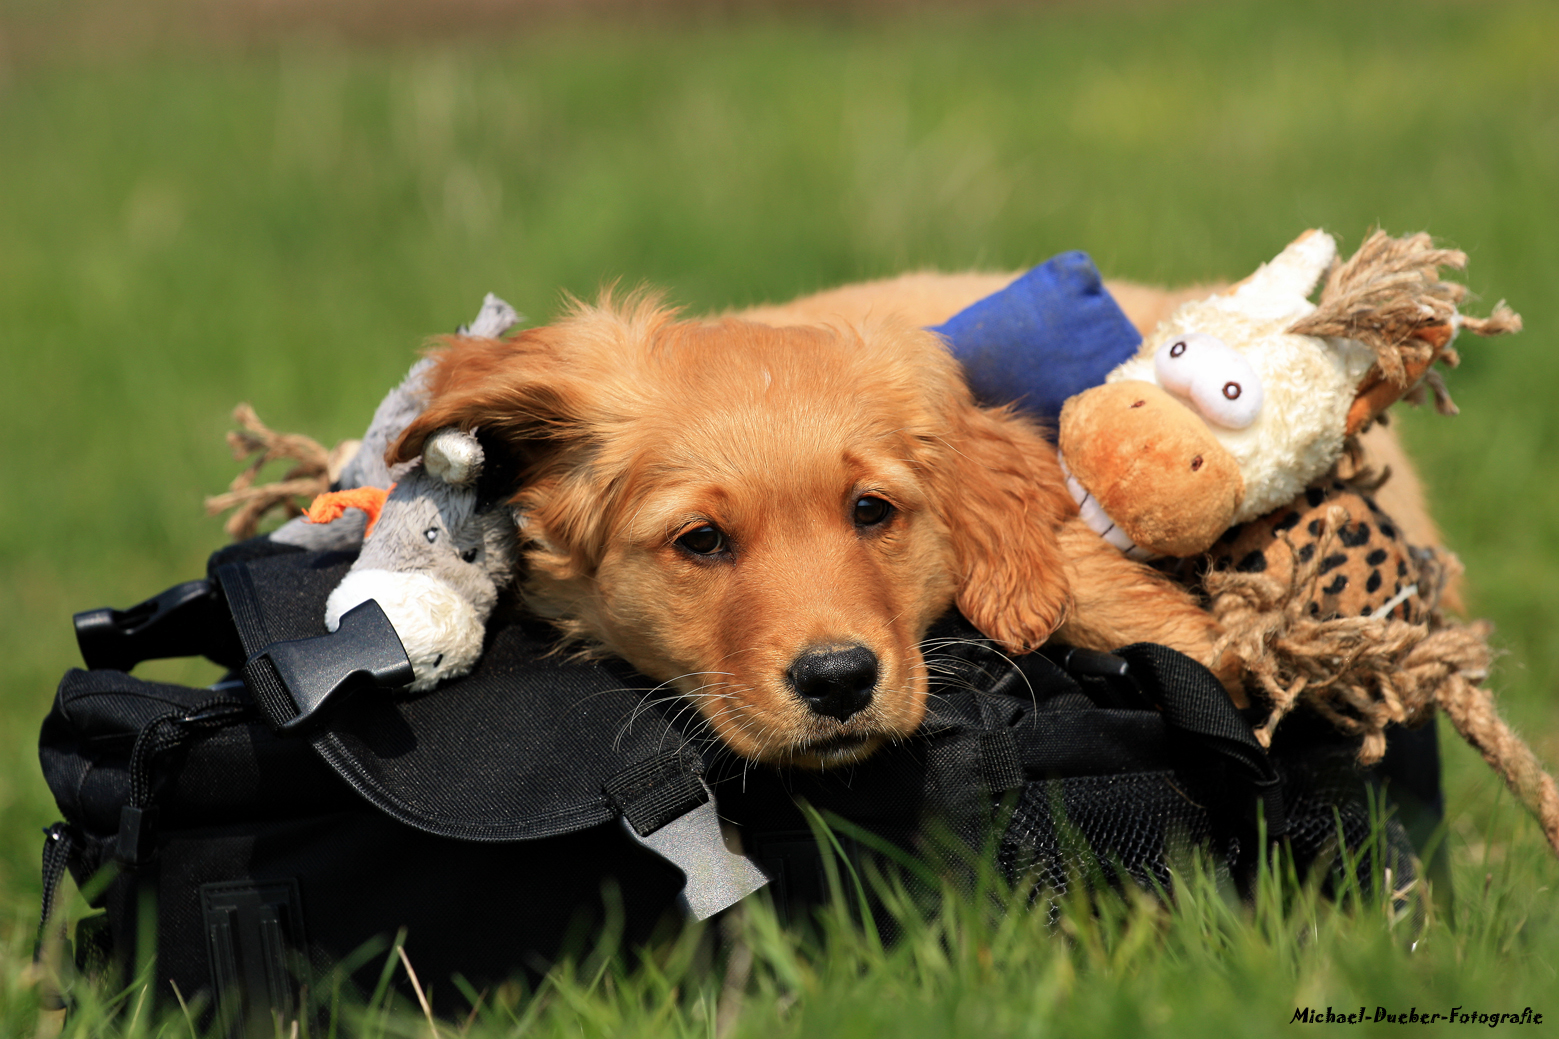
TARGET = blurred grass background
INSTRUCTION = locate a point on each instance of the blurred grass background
(202, 203)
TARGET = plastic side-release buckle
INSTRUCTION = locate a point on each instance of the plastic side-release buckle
(672, 812)
(297, 682)
(187, 620)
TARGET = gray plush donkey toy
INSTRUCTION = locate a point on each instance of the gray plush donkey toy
(434, 561)
(435, 557)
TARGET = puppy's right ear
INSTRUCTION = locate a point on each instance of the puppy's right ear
(511, 389)
(1004, 500)
(530, 410)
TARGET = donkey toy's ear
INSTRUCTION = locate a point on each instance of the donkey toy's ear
(453, 456)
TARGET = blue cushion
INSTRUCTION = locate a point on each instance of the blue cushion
(1049, 335)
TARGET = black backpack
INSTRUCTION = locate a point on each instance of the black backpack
(298, 815)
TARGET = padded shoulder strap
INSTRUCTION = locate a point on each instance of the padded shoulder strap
(530, 744)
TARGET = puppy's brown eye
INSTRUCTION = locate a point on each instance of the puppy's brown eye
(871, 511)
(703, 541)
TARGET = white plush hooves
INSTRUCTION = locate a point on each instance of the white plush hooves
(438, 627)
(453, 456)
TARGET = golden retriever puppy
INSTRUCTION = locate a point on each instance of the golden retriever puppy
(769, 515)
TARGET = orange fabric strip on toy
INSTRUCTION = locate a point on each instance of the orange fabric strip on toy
(332, 504)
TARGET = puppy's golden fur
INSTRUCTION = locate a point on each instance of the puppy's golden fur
(719, 501)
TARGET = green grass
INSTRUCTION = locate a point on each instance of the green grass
(283, 221)
(984, 965)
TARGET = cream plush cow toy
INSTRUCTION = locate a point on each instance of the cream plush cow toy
(1234, 405)
(1229, 441)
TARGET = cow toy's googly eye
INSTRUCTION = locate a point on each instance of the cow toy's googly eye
(431, 534)
(1212, 377)
(1229, 398)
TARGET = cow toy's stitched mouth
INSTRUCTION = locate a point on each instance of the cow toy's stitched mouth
(1098, 520)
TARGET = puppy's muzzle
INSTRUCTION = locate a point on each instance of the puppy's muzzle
(835, 681)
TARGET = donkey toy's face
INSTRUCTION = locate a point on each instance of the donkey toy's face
(435, 561)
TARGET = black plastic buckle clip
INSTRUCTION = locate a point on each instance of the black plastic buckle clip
(298, 681)
(1106, 677)
(187, 620)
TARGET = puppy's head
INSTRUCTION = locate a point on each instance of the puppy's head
(768, 519)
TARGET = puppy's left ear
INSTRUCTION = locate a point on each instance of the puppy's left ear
(1004, 499)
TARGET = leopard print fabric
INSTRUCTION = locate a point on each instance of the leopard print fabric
(1367, 564)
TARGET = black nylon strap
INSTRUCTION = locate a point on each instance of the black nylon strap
(1196, 705)
(652, 793)
(270, 692)
(244, 601)
(999, 761)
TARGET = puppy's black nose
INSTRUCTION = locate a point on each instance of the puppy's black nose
(835, 682)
